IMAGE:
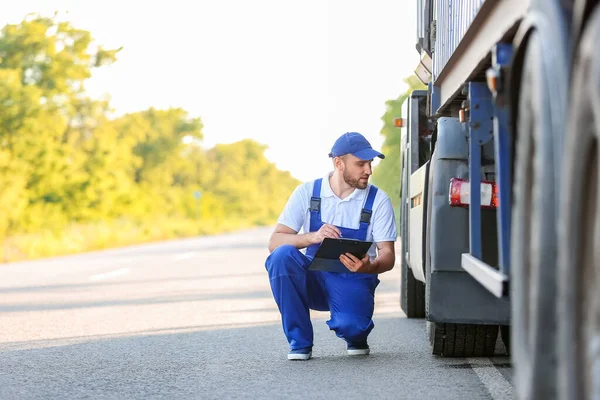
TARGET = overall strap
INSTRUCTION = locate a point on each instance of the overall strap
(365, 215)
(315, 206)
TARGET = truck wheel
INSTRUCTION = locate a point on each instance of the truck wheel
(533, 242)
(412, 291)
(579, 228)
(462, 340)
(412, 297)
(505, 335)
(459, 340)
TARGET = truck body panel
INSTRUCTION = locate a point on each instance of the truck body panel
(460, 299)
(465, 33)
(416, 210)
(454, 296)
(453, 19)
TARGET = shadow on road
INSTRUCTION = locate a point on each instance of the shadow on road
(237, 362)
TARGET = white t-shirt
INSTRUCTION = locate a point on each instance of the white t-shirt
(345, 213)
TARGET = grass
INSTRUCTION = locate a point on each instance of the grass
(77, 238)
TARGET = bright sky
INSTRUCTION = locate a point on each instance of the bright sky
(293, 75)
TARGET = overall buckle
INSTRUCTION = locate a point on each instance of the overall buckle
(365, 216)
(315, 204)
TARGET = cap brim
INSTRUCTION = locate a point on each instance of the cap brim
(368, 154)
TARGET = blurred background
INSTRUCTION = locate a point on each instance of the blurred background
(125, 122)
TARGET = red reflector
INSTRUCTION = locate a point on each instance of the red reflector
(460, 191)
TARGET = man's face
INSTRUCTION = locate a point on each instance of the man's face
(356, 172)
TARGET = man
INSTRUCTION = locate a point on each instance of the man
(342, 204)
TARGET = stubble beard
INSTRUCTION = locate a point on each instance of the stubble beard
(355, 183)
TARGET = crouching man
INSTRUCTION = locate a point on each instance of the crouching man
(341, 205)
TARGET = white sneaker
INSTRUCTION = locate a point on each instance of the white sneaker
(358, 350)
(300, 354)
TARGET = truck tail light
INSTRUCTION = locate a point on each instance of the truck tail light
(460, 191)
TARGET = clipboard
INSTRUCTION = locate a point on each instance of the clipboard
(327, 257)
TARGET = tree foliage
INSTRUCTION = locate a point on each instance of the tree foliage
(64, 160)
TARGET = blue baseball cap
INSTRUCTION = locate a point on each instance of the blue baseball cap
(354, 143)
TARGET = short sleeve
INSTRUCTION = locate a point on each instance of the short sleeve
(294, 212)
(384, 224)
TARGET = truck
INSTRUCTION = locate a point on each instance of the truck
(500, 216)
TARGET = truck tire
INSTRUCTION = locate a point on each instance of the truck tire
(533, 242)
(413, 293)
(579, 227)
(462, 340)
(459, 340)
(505, 335)
(453, 340)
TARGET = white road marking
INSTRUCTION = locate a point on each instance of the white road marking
(185, 256)
(111, 274)
(491, 378)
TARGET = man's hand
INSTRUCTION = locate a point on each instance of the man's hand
(329, 231)
(384, 261)
(356, 264)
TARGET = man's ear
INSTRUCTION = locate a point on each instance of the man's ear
(338, 163)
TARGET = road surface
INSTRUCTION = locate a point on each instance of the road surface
(195, 318)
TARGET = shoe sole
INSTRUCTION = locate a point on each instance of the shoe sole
(359, 352)
(299, 357)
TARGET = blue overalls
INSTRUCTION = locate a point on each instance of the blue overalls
(349, 296)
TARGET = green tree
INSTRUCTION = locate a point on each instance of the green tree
(19, 109)
(66, 167)
(251, 186)
(52, 56)
(43, 125)
(154, 158)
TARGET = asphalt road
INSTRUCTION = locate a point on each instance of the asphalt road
(195, 319)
